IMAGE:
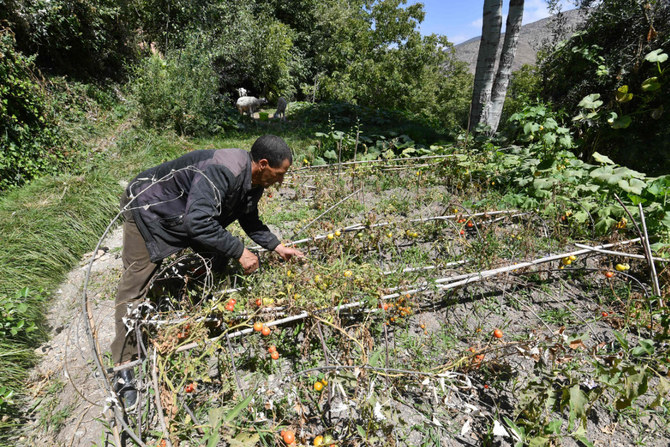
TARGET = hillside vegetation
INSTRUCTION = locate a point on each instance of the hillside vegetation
(446, 298)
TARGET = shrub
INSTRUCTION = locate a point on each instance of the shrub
(180, 91)
(602, 69)
(79, 38)
(30, 141)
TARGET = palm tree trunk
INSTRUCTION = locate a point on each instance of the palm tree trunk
(514, 18)
(486, 59)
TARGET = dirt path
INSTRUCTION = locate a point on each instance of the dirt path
(67, 393)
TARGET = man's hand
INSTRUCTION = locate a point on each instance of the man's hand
(249, 262)
(287, 252)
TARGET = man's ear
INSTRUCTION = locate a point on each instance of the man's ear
(263, 163)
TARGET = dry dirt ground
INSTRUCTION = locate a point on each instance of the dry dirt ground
(68, 394)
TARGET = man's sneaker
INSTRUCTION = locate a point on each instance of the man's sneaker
(124, 385)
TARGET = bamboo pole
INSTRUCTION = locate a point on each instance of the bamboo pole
(348, 163)
(652, 266)
(619, 253)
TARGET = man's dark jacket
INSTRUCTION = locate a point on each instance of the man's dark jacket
(189, 202)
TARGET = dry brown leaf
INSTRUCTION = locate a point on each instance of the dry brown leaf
(577, 344)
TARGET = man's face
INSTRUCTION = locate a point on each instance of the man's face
(269, 175)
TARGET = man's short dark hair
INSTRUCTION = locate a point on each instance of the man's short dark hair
(273, 149)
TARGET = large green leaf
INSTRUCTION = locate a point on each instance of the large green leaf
(550, 138)
(619, 122)
(600, 158)
(656, 56)
(666, 220)
(591, 101)
(603, 225)
(632, 185)
(544, 183)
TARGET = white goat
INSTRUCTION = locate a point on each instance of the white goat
(249, 104)
(241, 92)
(281, 108)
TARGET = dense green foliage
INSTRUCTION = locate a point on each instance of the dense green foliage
(353, 52)
(30, 141)
(607, 58)
(180, 91)
(80, 38)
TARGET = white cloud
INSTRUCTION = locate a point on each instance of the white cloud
(477, 23)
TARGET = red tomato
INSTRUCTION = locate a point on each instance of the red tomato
(265, 331)
(497, 333)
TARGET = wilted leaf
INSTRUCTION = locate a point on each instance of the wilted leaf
(578, 400)
(635, 385)
(662, 392)
(576, 344)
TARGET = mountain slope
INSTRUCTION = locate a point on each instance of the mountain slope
(531, 39)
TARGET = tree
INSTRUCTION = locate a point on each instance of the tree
(490, 87)
(486, 60)
(514, 19)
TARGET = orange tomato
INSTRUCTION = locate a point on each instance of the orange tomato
(289, 437)
(274, 355)
(318, 386)
(497, 333)
(258, 326)
(265, 331)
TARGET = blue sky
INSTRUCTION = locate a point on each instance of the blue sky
(461, 20)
